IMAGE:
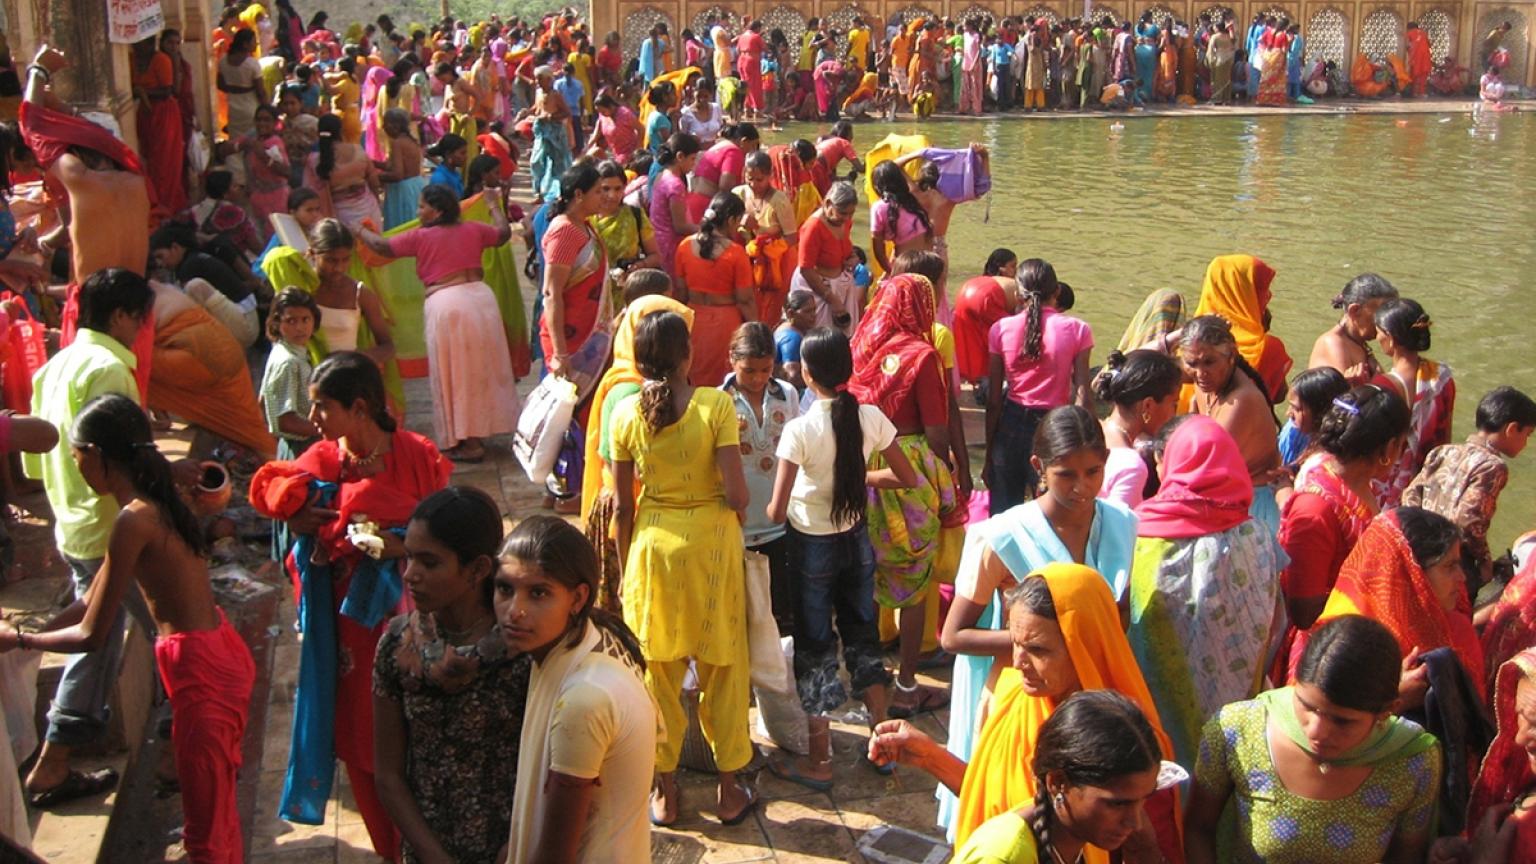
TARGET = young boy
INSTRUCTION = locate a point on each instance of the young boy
(1462, 481)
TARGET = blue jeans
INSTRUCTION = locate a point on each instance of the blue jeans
(1013, 480)
(835, 574)
(79, 713)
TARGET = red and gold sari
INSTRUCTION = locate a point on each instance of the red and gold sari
(1507, 775)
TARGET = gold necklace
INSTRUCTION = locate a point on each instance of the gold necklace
(1057, 855)
(456, 635)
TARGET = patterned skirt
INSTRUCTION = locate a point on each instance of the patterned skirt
(905, 524)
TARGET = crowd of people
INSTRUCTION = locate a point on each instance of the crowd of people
(1160, 603)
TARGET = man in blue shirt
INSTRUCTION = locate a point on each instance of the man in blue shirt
(572, 91)
(1000, 54)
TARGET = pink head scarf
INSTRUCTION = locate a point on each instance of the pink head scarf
(1205, 486)
(373, 138)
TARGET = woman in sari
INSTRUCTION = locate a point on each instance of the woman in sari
(345, 87)
(575, 269)
(1219, 54)
(669, 197)
(1203, 585)
(897, 369)
(1320, 771)
(774, 232)
(1405, 572)
(1500, 827)
(714, 277)
(239, 80)
(749, 65)
(720, 167)
(1074, 642)
(160, 128)
(1237, 287)
(1346, 346)
(1165, 86)
(982, 302)
(621, 380)
(1509, 625)
(469, 364)
(1426, 386)
(1273, 48)
(793, 176)
(625, 229)
(348, 179)
(1145, 54)
(347, 597)
(1068, 523)
(1156, 324)
(1356, 443)
(371, 116)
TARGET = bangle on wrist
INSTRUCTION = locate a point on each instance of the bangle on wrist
(40, 68)
(21, 640)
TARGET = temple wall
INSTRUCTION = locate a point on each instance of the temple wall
(1336, 30)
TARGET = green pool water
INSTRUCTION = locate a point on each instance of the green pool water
(1443, 205)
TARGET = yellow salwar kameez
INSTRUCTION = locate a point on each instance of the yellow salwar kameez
(683, 578)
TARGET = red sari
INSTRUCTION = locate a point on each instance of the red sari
(1506, 775)
(749, 65)
(160, 132)
(981, 303)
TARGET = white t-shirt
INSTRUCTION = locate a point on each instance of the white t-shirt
(604, 727)
(1125, 476)
(809, 442)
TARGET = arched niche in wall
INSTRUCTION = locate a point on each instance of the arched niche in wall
(1381, 33)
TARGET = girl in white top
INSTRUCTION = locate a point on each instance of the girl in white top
(703, 118)
(588, 745)
(345, 303)
(821, 488)
(1142, 388)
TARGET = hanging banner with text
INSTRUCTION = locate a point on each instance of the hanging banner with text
(130, 21)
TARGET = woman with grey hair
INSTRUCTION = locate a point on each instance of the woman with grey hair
(1346, 346)
(827, 260)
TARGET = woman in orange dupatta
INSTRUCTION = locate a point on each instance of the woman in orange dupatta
(792, 176)
(1511, 621)
(623, 378)
(1075, 614)
(1405, 571)
(1236, 287)
(1508, 775)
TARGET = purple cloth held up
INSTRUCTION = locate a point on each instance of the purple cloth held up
(961, 177)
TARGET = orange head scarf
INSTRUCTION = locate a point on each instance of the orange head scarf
(1236, 287)
(1381, 579)
(999, 777)
(595, 474)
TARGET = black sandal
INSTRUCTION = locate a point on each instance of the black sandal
(76, 785)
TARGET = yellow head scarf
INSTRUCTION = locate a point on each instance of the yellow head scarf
(1000, 777)
(1237, 288)
(595, 474)
(248, 21)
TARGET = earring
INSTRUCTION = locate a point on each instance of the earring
(1146, 418)
(1061, 801)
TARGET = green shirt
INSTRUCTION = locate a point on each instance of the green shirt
(1003, 839)
(93, 365)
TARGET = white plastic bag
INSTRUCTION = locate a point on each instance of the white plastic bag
(198, 155)
(763, 646)
(780, 718)
(542, 425)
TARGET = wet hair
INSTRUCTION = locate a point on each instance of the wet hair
(479, 167)
(826, 355)
(757, 160)
(1066, 430)
(752, 341)
(890, 183)
(662, 343)
(1503, 406)
(178, 233)
(805, 150)
(465, 520)
(722, 208)
(1429, 534)
(330, 133)
(110, 290)
(1318, 387)
(1037, 282)
(301, 196)
(1363, 289)
(741, 132)
(1092, 738)
(799, 298)
(349, 376)
(329, 235)
(923, 263)
(1355, 661)
(999, 259)
(446, 146)
(679, 144)
(1129, 378)
(842, 194)
(444, 200)
(659, 93)
(842, 129)
(1361, 423)
(398, 117)
(217, 183)
(1216, 332)
(290, 298)
(116, 427)
(645, 282)
(563, 553)
(1406, 322)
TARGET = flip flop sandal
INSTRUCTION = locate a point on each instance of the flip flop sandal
(745, 811)
(77, 784)
(787, 771)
